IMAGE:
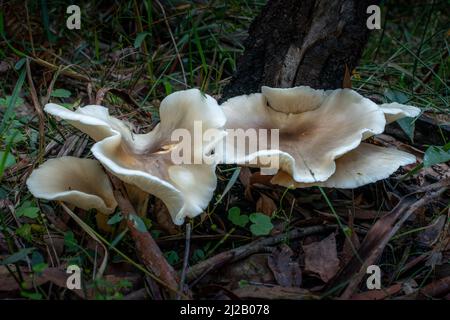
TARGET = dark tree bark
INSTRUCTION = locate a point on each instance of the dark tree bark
(295, 42)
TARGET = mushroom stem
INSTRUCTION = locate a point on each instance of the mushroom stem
(148, 250)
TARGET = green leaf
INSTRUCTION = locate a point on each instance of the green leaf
(172, 257)
(395, 96)
(18, 256)
(148, 222)
(118, 238)
(234, 215)
(139, 39)
(9, 112)
(198, 255)
(20, 63)
(31, 295)
(24, 231)
(14, 136)
(70, 242)
(155, 233)
(436, 154)
(37, 262)
(243, 283)
(138, 223)
(167, 87)
(9, 159)
(115, 218)
(261, 224)
(38, 268)
(29, 212)
(36, 258)
(61, 93)
(5, 101)
(408, 125)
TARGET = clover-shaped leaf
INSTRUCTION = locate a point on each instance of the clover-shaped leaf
(261, 224)
(28, 210)
(234, 215)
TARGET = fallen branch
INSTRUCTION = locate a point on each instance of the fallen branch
(148, 250)
(201, 269)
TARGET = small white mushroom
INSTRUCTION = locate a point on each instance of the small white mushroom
(394, 111)
(80, 182)
(147, 160)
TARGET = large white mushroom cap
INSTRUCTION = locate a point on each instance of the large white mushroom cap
(320, 134)
(147, 160)
(309, 141)
(80, 182)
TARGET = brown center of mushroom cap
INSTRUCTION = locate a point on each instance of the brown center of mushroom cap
(153, 161)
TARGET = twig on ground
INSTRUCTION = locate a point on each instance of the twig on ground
(186, 257)
(198, 271)
(148, 250)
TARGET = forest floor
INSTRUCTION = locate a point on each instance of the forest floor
(128, 56)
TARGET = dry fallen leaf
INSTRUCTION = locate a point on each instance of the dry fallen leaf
(431, 234)
(266, 205)
(252, 269)
(245, 176)
(321, 258)
(347, 81)
(287, 271)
